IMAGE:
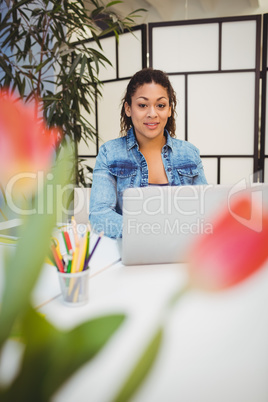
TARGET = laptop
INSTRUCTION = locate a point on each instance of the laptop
(160, 223)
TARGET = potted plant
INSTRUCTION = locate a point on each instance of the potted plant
(45, 55)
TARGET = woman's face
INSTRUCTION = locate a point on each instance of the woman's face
(149, 111)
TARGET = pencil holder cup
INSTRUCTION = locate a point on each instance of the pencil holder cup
(74, 287)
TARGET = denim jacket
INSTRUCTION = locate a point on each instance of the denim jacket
(120, 165)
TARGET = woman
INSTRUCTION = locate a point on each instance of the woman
(146, 154)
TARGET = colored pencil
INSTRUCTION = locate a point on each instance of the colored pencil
(81, 254)
(64, 241)
(74, 261)
(57, 259)
(88, 243)
(93, 251)
(68, 241)
(76, 238)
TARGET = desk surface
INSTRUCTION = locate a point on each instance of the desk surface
(215, 346)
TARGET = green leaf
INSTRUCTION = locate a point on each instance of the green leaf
(3, 31)
(141, 369)
(15, 6)
(96, 12)
(112, 3)
(75, 63)
(6, 68)
(41, 65)
(83, 64)
(24, 266)
(52, 356)
(83, 343)
(133, 13)
(27, 45)
(51, 112)
(96, 39)
(8, 40)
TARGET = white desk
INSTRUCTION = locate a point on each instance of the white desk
(215, 347)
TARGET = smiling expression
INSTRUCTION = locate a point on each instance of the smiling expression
(149, 111)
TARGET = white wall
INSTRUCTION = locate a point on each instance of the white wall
(172, 10)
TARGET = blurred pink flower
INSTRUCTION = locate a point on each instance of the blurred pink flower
(26, 145)
(233, 251)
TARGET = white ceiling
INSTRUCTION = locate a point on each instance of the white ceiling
(171, 10)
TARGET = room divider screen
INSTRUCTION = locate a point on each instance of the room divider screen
(264, 103)
(215, 69)
(214, 66)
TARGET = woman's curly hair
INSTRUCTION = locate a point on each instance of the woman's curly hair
(147, 76)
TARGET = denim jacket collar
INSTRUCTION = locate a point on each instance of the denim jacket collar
(132, 141)
(169, 140)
